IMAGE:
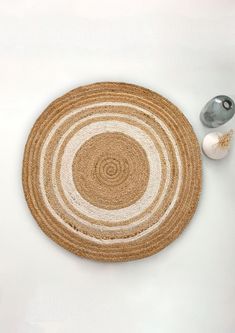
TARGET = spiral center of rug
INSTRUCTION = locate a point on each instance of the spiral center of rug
(111, 170)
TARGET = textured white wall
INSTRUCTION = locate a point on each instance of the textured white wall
(185, 50)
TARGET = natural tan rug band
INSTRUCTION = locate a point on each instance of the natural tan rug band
(112, 171)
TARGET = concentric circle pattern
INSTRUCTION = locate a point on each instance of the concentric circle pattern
(112, 171)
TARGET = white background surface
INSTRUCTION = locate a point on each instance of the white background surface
(185, 50)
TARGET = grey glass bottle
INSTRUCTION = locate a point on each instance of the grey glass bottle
(217, 111)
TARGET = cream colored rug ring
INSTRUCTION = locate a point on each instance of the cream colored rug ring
(112, 171)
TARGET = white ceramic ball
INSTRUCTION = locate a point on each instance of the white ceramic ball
(211, 148)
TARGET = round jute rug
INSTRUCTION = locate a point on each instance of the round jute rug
(112, 171)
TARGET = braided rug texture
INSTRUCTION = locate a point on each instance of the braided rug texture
(112, 171)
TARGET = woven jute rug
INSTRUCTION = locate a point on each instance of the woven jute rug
(112, 171)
